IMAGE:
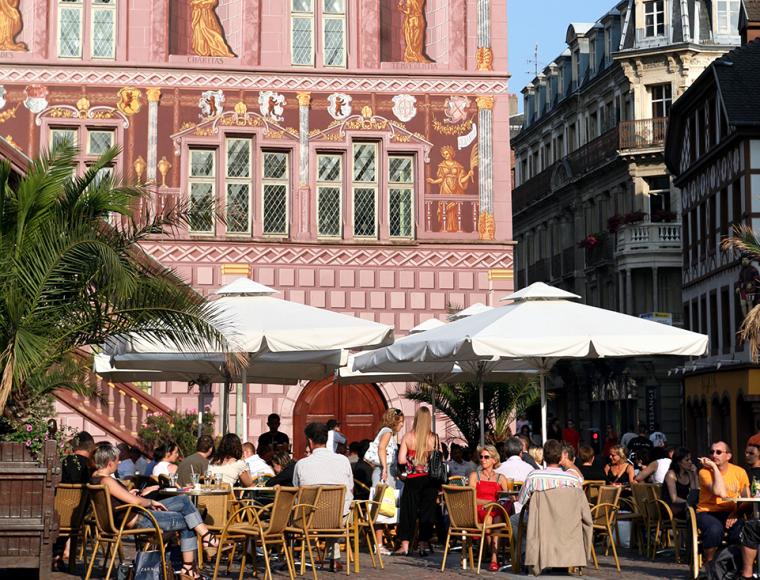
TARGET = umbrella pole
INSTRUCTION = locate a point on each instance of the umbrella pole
(200, 409)
(542, 378)
(226, 405)
(244, 406)
(432, 402)
(239, 411)
(481, 367)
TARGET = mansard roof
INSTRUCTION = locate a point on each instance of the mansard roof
(752, 10)
(577, 29)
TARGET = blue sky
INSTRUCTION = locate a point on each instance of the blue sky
(544, 22)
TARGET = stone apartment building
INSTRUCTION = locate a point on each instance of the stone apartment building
(594, 208)
(360, 150)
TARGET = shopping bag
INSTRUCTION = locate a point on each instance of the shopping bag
(388, 503)
(148, 567)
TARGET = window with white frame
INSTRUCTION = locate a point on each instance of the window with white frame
(201, 184)
(70, 26)
(302, 32)
(238, 186)
(275, 193)
(365, 190)
(577, 62)
(334, 33)
(608, 44)
(103, 29)
(662, 98)
(59, 136)
(400, 196)
(329, 195)
(728, 17)
(654, 18)
(99, 141)
(592, 55)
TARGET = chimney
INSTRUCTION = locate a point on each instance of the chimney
(512, 105)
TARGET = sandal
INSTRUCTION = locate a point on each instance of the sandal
(209, 550)
(494, 567)
(384, 551)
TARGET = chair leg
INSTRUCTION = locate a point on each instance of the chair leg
(614, 550)
(469, 549)
(480, 551)
(311, 558)
(219, 557)
(372, 548)
(593, 555)
(73, 553)
(92, 560)
(116, 552)
(446, 551)
(267, 565)
(231, 556)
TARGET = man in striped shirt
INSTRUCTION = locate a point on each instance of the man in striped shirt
(542, 479)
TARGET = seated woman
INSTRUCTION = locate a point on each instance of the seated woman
(175, 514)
(488, 484)
(680, 480)
(619, 470)
(283, 465)
(568, 460)
(165, 457)
(228, 460)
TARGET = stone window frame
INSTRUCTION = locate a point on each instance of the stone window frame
(275, 181)
(318, 18)
(324, 184)
(233, 180)
(402, 185)
(87, 10)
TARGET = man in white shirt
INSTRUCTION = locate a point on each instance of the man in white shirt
(256, 465)
(324, 467)
(514, 467)
(457, 465)
(658, 437)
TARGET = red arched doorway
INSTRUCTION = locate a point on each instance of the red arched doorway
(359, 408)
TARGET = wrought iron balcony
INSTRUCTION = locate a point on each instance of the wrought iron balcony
(643, 133)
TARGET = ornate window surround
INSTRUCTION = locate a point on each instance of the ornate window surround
(88, 8)
(319, 19)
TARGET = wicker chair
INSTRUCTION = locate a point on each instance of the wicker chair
(365, 514)
(217, 511)
(111, 535)
(648, 523)
(271, 532)
(71, 504)
(667, 523)
(146, 479)
(462, 505)
(359, 487)
(303, 514)
(591, 488)
(603, 518)
(693, 543)
(457, 480)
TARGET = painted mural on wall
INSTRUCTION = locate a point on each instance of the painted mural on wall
(208, 36)
(10, 26)
(414, 30)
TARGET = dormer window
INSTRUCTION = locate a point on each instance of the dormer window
(608, 44)
(577, 62)
(728, 16)
(654, 13)
(592, 55)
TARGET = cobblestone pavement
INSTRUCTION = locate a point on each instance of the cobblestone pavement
(632, 566)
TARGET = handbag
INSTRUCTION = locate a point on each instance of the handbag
(388, 503)
(436, 466)
(372, 455)
(148, 566)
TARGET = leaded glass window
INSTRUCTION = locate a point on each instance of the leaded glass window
(275, 193)
(70, 13)
(103, 29)
(302, 32)
(59, 136)
(365, 190)
(400, 196)
(238, 182)
(334, 28)
(98, 142)
(329, 195)
(201, 186)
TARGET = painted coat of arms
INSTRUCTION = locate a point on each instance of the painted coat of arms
(340, 106)
(456, 109)
(2, 96)
(403, 107)
(272, 105)
(36, 98)
(210, 104)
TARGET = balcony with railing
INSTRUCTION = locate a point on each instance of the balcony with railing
(452, 214)
(643, 133)
(649, 243)
(601, 254)
(539, 272)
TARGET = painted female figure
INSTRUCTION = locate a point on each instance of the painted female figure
(414, 30)
(208, 37)
(453, 180)
(10, 26)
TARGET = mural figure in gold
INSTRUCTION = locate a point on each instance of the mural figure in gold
(453, 180)
(414, 30)
(10, 26)
(208, 37)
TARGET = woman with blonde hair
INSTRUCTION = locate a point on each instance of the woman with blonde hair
(387, 451)
(619, 471)
(537, 453)
(418, 499)
(488, 484)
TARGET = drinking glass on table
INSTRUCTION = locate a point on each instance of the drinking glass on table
(510, 484)
(173, 480)
(195, 477)
(218, 481)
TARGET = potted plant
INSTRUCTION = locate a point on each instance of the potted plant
(592, 241)
(634, 216)
(664, 215)
(614, 222)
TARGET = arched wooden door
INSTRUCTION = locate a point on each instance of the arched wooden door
(359, 408)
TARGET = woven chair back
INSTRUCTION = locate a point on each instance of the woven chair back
(71, 505)
(374, 509)
(307, 495)
(641, 498)
(282, 508)
(216, 506)
(591, 488)
(100, 499)
(329, 512)
(607, 494)
(457, 480)
(462, 505)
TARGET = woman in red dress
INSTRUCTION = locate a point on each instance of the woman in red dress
(488, 484)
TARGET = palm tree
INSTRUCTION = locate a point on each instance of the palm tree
(746, 241)
(503, 403)
(72, 275)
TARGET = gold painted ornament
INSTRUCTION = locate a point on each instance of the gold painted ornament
(164, 166)
(129, 101)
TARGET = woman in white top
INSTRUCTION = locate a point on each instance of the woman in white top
(387, 450)
(658, 467)
(165, 456)
(228, 460)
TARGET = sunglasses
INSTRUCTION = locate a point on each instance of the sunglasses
(397, 412)
(485, 457)
(716, 452)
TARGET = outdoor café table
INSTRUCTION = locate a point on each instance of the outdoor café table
(755, 501)
(513, 493)
(194, 493)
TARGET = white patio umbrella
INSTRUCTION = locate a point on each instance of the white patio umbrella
(476, 308)
(281, 340)
(541, 326)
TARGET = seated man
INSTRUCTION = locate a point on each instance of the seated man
(197, 462)
(514, 467)
(324, 467)
(256, 465)
(720, 480)
(127, 467)
(457, 465)
(542, 479)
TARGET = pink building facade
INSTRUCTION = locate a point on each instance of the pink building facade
(360, 152)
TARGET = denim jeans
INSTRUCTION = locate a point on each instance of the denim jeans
(181, 516)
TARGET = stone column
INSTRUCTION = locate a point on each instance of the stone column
(628, 292)
(303, 220)
(154, 94)
(484, 54)
(655, 292)
(486, 223)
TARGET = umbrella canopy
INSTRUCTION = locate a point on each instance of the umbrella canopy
(476, 308)
(541, 326)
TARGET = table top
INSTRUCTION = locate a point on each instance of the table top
(750, 499)
(514, 492)
(171, 491)
(254, 488)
